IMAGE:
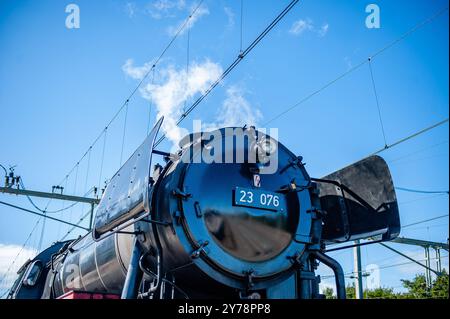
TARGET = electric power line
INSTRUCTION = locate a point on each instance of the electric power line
(420, 199)
(133, 92)
(151, 104)
(115, 116)
(242, 24)
(356, 67)
(44, 210)
(431, 226)
(18, 254)
(424, 221)
(78, 223)
(377, 101)
(348, 274)
(87, 169)
(42, 215)
(420, 191)
(409, 137)
(418, 151)
(124, 132)
(239, 58)
(408, 262)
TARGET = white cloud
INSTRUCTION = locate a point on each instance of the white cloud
(230, 15)
(323, 30)
(159, 9)
(348, 62)
(200, 12)
(136, 72)
(300, 26)
(130, 9)
(174, 87)
(7, 254)
(325, 285)
(236, 110)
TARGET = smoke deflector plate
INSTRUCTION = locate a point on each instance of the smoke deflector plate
(127, 192)
(360, 202)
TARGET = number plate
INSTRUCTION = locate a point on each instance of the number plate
(256, 198)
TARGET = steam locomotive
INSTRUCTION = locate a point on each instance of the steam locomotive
(232, 214)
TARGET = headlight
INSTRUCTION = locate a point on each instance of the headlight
(265, 147)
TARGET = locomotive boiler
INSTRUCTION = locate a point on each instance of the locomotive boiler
(232, 214)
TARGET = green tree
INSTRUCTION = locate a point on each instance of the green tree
(440, 287)
(351, 291)
(417, 288)
(380, 293)
(329, 293)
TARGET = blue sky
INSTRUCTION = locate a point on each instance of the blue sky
(59, 88)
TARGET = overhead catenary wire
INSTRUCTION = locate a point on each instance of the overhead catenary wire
(153, 71)
(74, 227)
(42, 215)
(418, 250)
(408, 257)
(87, 169)
(425, 221)
(18, 254)
(377, 102)
(102, 158)
(133, 92)
(420, 199)
(124, 133)
(188, 46)
(420, 191)
(41, 237)
(45, 210)
(242, 55)
(242, 25)
(74, 190)
(59, 224)
(417, 151)
(42, 210)
(325, 277)
(430, 226)
(409, 137)
(422, 159)
(150, 104)
(359, 65)
(403, 227)
(76, 180)
(238, 59)
(185, 23)
(408, 262)
(4, 168)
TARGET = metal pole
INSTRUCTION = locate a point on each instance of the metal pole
(421, 243)
(438, 260)
(428, 264)
(358, 272)
(409, 258)
(134, 273)
(338, 273)
(42, 215)
(15, 191)
(91, 216)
